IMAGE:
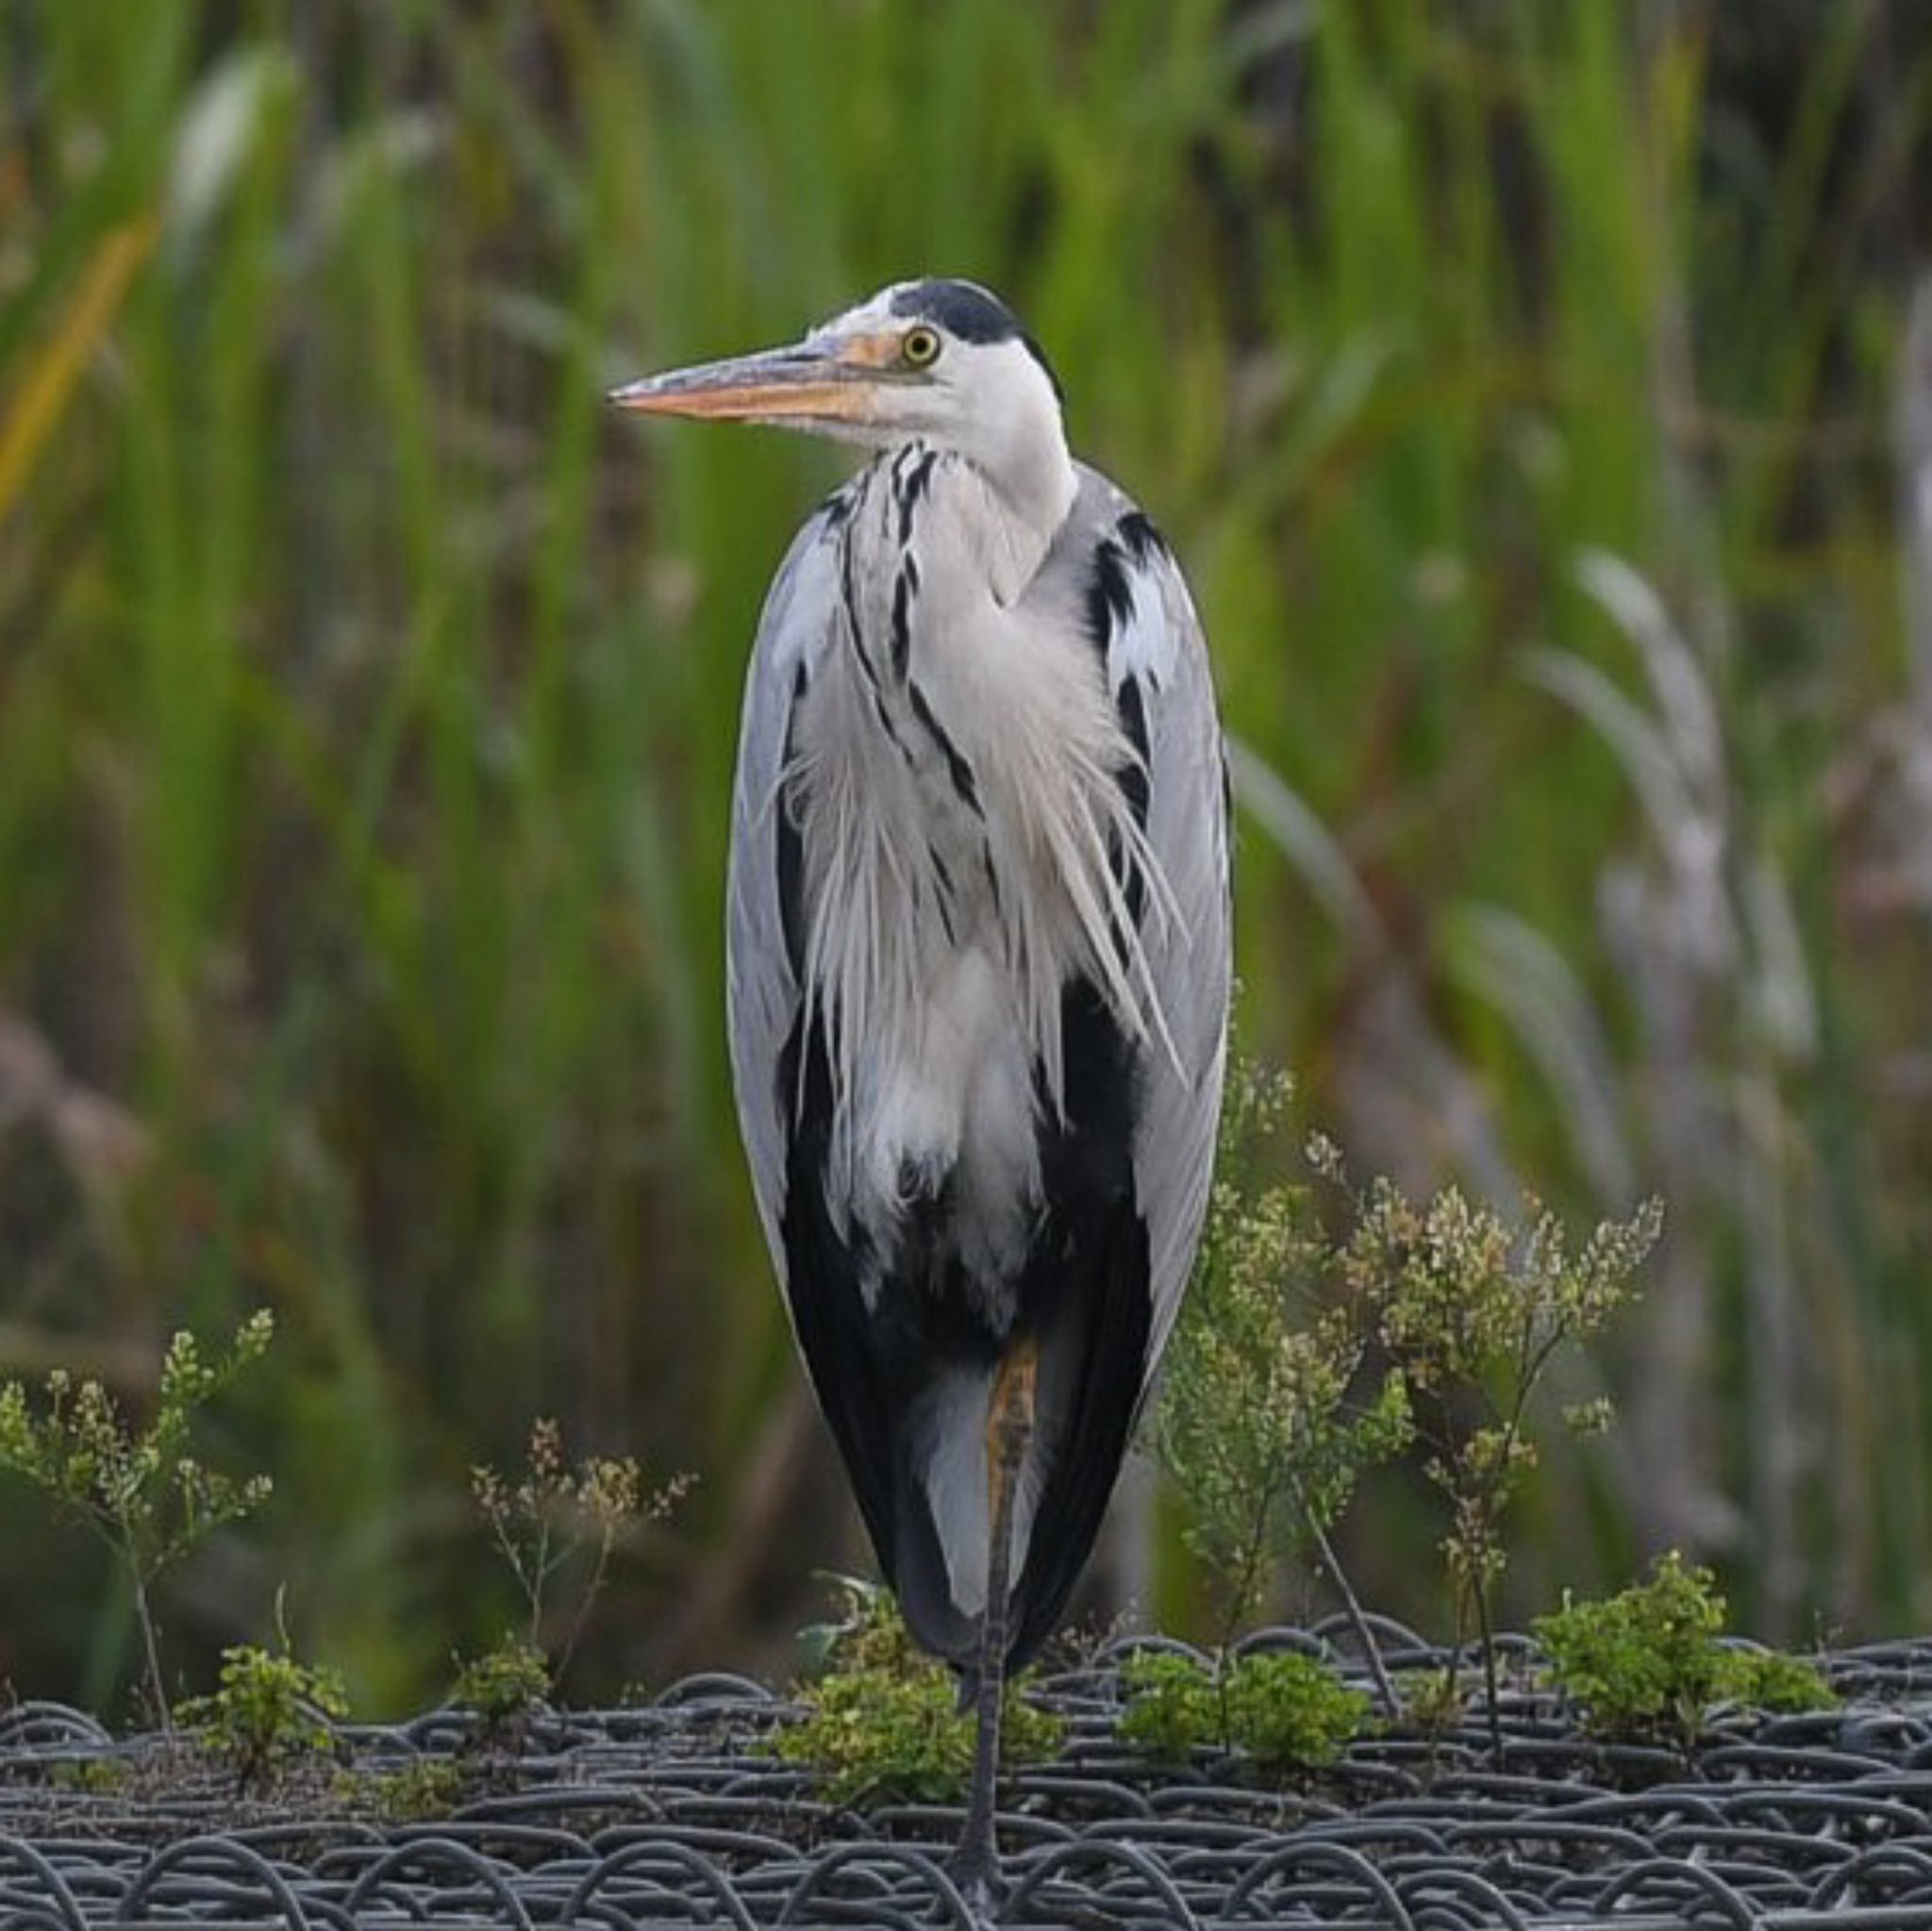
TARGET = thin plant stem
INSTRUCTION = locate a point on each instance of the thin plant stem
(143, 1615)
(592, 1588)
(1372, 1653)
(1479, 1597)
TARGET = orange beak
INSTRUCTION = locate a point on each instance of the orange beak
(808, 383)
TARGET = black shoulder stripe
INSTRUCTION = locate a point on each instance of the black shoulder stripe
(1109, 595)
(1137, 531)
(1132, 545)
(1134, 779)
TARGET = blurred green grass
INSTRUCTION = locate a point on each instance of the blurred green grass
(1517, 383)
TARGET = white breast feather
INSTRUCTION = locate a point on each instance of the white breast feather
(933, 1033)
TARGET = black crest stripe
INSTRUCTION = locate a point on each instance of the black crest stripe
(961, 308)
(972, 313)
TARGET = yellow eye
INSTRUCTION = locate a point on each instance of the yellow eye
(920, 347)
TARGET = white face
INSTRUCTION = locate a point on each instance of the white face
(877, 377)
(970, 396)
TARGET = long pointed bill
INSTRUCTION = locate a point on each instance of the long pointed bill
(802, 384)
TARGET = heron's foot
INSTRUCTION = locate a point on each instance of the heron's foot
(974, 1867)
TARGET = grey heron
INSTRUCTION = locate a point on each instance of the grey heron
(978, 941)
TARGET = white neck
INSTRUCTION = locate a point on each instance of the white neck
(1013, 439)
(1029, 484)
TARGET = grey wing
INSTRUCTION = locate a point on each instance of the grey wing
(763, 989)
(1158, 659)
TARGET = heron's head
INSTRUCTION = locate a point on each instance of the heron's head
(945, 362)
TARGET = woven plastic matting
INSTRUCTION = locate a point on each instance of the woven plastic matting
(670, 1814)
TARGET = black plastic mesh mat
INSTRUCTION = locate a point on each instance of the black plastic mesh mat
(671, 1814)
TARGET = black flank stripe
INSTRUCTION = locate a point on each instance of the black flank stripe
(943, 896)
(886, 724)
(848, 593)
(1084, 1293)
(790, 850)
(956, 767)
(826, 1264)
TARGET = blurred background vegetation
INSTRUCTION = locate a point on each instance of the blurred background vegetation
(1530, 391)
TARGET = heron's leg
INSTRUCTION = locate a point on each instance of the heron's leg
(1009, 1428)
